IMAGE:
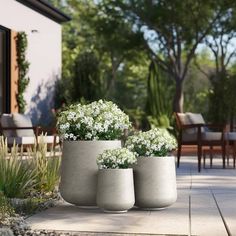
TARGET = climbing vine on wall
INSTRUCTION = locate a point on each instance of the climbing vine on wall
(23, 67)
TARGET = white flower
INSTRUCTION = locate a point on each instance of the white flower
(97, 120)
(116, 158)
(155, 142)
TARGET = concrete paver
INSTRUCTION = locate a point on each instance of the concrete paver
(202, 198)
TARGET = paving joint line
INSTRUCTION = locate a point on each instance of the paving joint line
(221, 215)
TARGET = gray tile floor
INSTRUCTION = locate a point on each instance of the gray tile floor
(206, 205)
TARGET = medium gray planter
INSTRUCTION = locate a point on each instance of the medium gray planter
(115, 191)
(155, 182)
(79, 169)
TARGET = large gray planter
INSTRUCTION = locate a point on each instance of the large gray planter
(155, 182)
(79, 170)
(115, 191)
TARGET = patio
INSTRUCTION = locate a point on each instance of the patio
(205, 206)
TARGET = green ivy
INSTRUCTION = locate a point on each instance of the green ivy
(23, 66)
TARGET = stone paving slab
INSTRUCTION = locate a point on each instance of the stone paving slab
(71, 218)
(206, 203)
(227, 207)
(205, 217)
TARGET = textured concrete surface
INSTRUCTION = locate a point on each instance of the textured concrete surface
(205, 206)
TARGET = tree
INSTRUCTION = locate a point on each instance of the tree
(121, 63)
(172, 29)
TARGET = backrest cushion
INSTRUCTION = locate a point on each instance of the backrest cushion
(184, 119)
(6, 122)
(21, 120)
(195, 118)
(189, 118)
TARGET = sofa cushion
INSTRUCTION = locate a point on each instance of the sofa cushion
(6, 122)
(21, 120)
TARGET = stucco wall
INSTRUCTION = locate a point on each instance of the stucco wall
(44, 55)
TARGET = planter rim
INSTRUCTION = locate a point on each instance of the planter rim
(120, 169)
(155, 157)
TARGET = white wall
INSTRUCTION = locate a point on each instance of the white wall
(44, 54)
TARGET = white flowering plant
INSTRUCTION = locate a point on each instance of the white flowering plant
(119, 158)
(99, 120)
(155, 142)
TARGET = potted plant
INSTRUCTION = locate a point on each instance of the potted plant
(115, 190)
(155, 172)
(86, 131)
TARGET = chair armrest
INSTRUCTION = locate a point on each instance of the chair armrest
(215, 126)
(17, 128)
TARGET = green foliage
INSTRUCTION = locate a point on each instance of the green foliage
(159, 103)
(46, 167)
(17, 178)
(23, 67)
(88, 83)
(26, 206)
(21, 175)
(222, 106)
(6, 210)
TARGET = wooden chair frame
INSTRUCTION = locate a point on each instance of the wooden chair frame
(199, 142)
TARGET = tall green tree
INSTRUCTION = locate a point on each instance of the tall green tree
(172, 29)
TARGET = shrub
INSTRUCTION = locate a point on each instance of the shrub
(6, 210)
(46, 167)
(17, 177)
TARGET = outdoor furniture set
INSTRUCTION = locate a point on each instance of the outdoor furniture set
(18, 128)
(210, 139)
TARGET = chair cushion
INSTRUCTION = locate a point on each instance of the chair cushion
(21, 140)
(6, 122)
(184, 119)
(186, 137)
(231, 136)
(206, 136)
(195, 118)
(212, 136)
(48, 139)
(21, 120)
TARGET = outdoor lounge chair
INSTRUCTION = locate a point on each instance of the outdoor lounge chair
(194, 131)
(18, 128)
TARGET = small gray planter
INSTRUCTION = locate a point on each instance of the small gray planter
(79, 170)
(155, 182)
(115, 191)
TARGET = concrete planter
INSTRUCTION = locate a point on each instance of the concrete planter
(115, 192)
(155, 182)
(79, 170)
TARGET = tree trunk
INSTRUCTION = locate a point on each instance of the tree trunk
(179, 96)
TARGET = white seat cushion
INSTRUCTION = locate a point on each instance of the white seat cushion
(231, 136)
(212, 136)
(21, 140)
(206, 136)
(48, 139)
(21, 120)
(186, 137)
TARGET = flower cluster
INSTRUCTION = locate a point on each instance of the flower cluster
(155, 142)
(100, 120)
(119, 158)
